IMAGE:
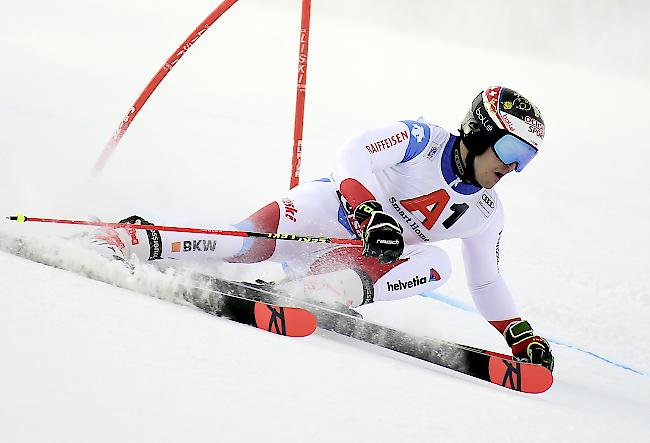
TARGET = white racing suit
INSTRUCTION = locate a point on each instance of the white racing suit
(408, 168)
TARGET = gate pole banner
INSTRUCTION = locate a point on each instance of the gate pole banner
(300, 94)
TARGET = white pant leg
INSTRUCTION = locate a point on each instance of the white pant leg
(311, 208)
(170, 244)
(180, 245)
(428, 267)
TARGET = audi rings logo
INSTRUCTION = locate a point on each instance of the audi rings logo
(488, 201)
(486, 204)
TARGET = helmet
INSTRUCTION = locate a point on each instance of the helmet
(507, 122)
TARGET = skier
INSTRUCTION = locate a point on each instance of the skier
(399, 188)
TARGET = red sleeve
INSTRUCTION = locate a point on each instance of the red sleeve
(501, 325)
(355, 193)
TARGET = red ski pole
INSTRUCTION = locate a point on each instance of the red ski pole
(156, 80)
(270, 235)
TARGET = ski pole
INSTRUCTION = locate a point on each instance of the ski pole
(156, 80)
(20, 218)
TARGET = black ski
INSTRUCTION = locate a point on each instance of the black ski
(239, 302)
(271, 317)
(228, 302)
(490, 366)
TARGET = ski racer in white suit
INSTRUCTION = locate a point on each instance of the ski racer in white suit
(400, 188)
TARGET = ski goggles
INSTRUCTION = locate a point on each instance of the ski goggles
(511, 149)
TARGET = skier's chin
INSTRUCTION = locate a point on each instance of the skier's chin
(487, 184)
(490, 182)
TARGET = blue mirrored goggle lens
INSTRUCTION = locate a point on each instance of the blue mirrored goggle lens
(510, 149)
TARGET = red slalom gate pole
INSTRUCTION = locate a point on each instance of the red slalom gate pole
(156, 80)
(300, 94)
(269, 235)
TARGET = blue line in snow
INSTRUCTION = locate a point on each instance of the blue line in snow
(467, 308)
(600, 357)
(450, 301)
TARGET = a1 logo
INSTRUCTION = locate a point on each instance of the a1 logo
(431, 207)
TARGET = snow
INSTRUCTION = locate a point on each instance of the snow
(86, 361)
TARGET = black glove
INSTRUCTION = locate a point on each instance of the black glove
(528, 347)
(381, 234)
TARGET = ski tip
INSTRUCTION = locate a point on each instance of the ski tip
(292, 322)
(518, 376)
(20, 218)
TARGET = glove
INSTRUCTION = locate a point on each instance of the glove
(528, 347)
(381, 234)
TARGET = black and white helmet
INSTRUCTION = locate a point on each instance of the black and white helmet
(506, 121)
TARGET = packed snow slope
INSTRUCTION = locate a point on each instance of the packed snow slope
(86, 361)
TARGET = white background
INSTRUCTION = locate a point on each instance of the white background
(82, 361)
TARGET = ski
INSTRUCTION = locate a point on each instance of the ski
(499, 369)
(281, 320)
(276, 317)
(272, 317)
(257, 305)
(490, 366)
